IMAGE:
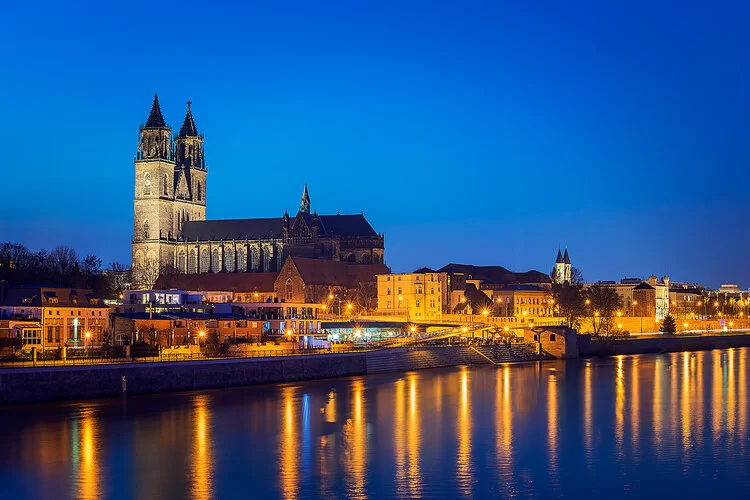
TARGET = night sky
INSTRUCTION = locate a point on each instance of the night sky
(484, 133)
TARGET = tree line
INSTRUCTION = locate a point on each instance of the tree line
(61, 266)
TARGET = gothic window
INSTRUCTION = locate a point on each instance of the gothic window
(265, 258)
(147, 184)
(254, 261)
(166, 185)
(241, 262)
(193, 262)
(289, 289)
(215, 264)
(365, 259)
(205, 261)
(229, 259)
(181, 262)
(198, 191)
(145, 230)
(351, 258)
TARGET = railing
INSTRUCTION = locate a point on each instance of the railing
(187, 356)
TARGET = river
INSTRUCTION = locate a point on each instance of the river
(668, 425)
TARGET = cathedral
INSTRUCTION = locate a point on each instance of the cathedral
(171, 231)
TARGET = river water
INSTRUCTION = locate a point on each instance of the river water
(669, 426)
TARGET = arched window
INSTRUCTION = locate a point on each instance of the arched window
(254, 260)
(241, 262)
(265, 258)
(193, 262)
(365, 259)
(198, 190)
(181, 262)
(229, 259)
(205, 261)
(289, 289)
(166, 185)
(351, 258)
(147, 184)
(145, 230)
(215, 263)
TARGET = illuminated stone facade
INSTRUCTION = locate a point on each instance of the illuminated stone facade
(416, 295)
(171, 231)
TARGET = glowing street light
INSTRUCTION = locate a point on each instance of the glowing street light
(413, 329)
(464, 329)
(485, 312)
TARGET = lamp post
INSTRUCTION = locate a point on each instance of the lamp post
(86, 342)
(200, 340)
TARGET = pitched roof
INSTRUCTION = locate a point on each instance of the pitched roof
(336, 273)
(232, 229)
(643, 286)
(188, 128)
(346, 225)
(424, 270)
(566, 257)
(224, 282)
(272, 227)
(559, 259)
(155, 118)
(495, 274)
(42, 296)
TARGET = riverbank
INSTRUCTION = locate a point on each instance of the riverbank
(20, 385)
(591, 347)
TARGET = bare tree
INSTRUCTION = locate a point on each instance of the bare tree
(62, 261)
(570, 303)
(146, 273)
(604, 303)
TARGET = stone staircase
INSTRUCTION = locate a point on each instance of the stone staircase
(420, 358)
(503, 353)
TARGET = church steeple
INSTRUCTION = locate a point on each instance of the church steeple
(304, 204)
(154, 140)
(155, 118)
(188, 128)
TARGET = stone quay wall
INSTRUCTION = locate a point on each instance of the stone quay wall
(589, 347)
(20, 385)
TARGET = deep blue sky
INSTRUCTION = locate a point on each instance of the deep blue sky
(483, 133)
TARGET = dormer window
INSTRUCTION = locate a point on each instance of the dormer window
(26, 300)
(53, 300)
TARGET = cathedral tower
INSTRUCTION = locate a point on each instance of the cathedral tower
(170, 185)
(563, 269)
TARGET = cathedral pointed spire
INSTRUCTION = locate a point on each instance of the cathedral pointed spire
(304, 204)
(566, 257)
(155, 118)
(188, 128)
(559, 259)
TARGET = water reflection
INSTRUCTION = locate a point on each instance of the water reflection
(288, 446)
(86, 455)
(464, 472)
(664, 424)
(355, 443)
(504, 430)
(202, 467)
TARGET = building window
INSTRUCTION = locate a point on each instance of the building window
(417, 302)
(166, 185)
(388, 291)
(229, 259)
(289, 289)
(147, 184)
(199, 190)
(205, 261)
(241, 262)
(145, 230)
(552, 337)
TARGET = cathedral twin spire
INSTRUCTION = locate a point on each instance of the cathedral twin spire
(156, 120)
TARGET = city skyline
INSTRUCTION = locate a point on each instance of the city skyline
(457, 144)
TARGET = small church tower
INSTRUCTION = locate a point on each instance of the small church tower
(563, 270)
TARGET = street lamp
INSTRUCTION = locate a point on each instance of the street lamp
(86, 343)
(202, 334)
